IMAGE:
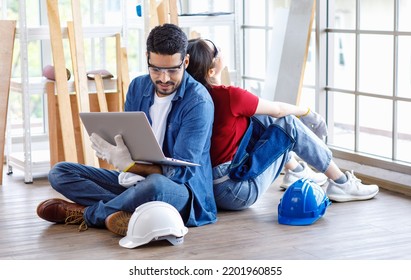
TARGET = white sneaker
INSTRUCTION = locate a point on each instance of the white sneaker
(290, 176)
(351, 190)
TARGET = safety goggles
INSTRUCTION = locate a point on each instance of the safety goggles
(170, 71)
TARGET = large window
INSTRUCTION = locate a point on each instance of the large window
(369, 79)
(359, 76)
(260, 24)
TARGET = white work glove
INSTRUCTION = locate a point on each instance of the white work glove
(316, 123)
(127, 179)
(118, 155)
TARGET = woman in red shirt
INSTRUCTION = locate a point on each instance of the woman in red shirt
(235, 109)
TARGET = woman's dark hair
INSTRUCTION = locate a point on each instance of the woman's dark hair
(201, 61)
(167, 39)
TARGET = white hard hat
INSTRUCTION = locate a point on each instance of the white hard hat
(155, 220)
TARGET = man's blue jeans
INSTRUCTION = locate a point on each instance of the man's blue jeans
(99, 190)
(237, 195)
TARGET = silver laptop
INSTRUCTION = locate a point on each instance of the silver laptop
(136, 131)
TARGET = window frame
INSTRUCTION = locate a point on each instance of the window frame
(324, 72)
(355, 155)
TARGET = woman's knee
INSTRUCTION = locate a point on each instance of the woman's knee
(234, 205)
(237, 197)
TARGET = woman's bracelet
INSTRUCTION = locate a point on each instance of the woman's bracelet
(308, 111)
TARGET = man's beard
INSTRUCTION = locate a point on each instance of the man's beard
(168, 92)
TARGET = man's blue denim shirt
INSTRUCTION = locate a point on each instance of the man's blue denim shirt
(187, 137)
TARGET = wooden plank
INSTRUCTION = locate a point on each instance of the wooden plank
(111, 98)
(125, 76)
(55, 133)
(70, 34)
(162, 12)
(56, 154)
(119, 73)
(153, 14)
(291, 38)
(7, 35)
(305, 53)
(173, 12)
(167, 12)
(83, 93)
(79, 55)
(102, 101)
(75, 98)
(63, 97)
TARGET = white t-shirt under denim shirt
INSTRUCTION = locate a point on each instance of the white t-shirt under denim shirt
(158, 113)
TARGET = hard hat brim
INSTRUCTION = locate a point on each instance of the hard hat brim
(132, 242)
(297, 222)
(127, 242)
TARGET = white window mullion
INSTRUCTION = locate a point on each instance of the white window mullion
(395, 84)
(357, 76)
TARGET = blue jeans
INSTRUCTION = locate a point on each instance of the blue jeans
(237, 195)
(99, 190)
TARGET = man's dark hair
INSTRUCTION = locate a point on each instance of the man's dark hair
(167, 39)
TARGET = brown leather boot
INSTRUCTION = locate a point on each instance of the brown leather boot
(57, 210)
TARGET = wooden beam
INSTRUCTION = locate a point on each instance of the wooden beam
(54, 127)
(83, 93)
(153, 14)
(167, 12)
(173, 12)
(119, 73)
(55, 133)
(162, 12)
(63, 97)
(7, 35)
(305, 53)
(77, 40)
(70, 34)
(125, 76)
(101, 97)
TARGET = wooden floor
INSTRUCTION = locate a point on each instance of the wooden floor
(370, 230)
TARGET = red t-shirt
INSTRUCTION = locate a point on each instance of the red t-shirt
(233, 108)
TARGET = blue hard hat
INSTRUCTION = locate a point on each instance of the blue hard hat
(303, 203)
